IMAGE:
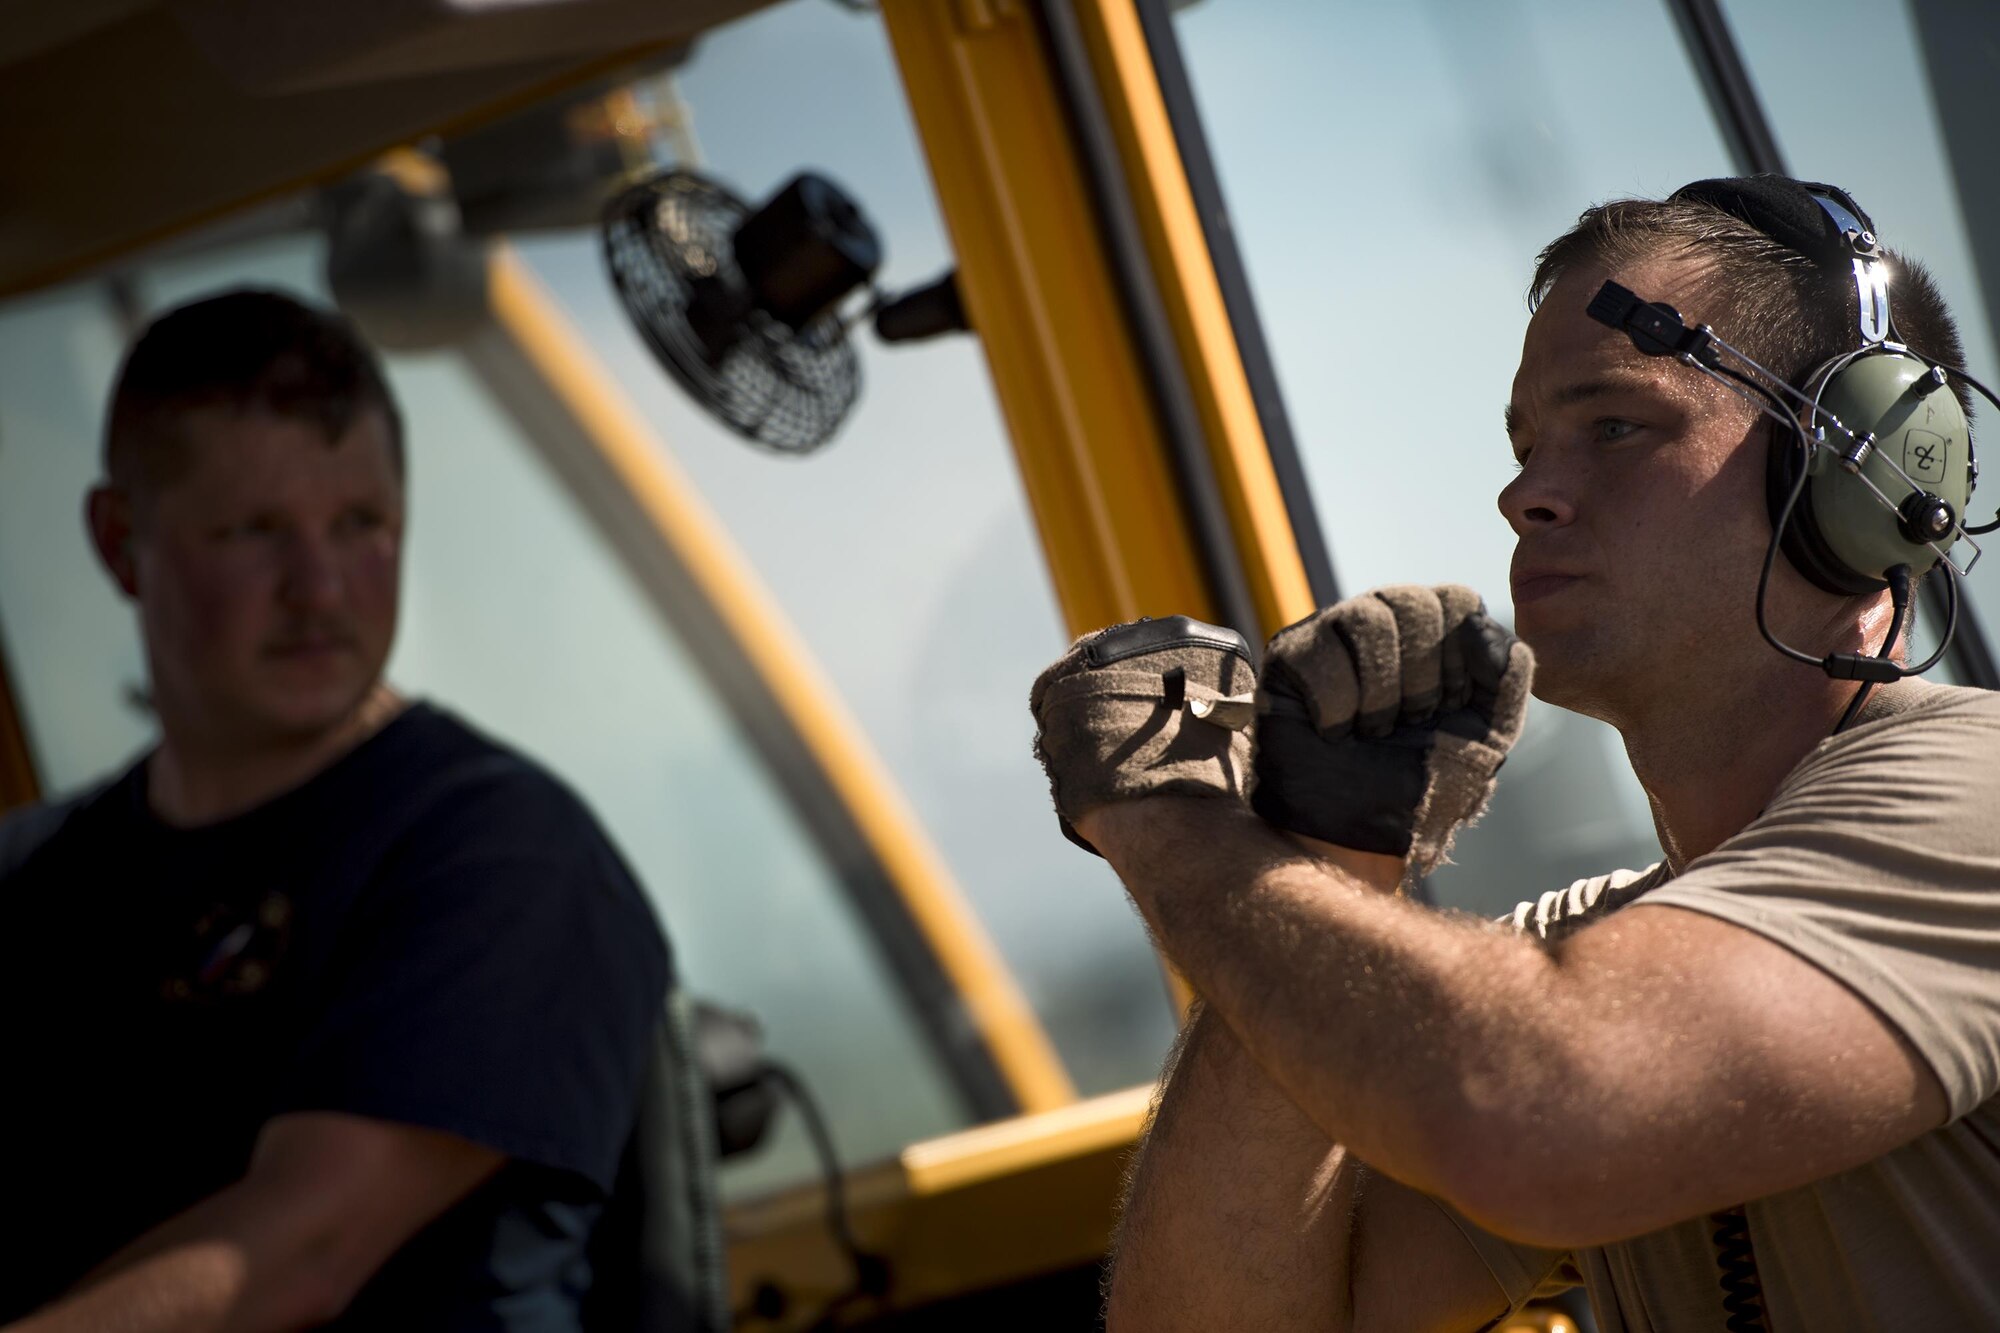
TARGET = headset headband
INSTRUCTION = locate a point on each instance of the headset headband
(1821, 222)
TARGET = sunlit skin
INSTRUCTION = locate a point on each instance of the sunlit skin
(1641, 524)
(265, 572)
(1654, 1068)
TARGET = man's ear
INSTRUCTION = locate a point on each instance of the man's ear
(107, 512)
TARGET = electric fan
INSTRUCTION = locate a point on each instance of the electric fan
(741, 305)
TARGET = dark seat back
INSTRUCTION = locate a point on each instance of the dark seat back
(658, 1258)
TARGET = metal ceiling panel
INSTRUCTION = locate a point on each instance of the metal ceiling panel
(133, 131)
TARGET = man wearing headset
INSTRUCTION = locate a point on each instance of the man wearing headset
(1750, 1087)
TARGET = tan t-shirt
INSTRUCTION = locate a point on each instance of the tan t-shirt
(1878, 860)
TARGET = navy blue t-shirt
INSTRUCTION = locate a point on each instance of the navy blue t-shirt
(431, 931)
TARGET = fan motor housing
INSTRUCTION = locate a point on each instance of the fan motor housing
(805, 249)
(670, 243)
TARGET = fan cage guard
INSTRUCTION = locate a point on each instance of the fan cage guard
(785, 391)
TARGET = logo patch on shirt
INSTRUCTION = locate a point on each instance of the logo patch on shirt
(233, 952)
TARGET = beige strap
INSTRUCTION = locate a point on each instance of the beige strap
(1234, 711)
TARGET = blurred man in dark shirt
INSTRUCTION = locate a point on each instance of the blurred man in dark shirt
(328, 1009)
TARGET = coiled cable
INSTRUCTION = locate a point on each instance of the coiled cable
(1742, 1295)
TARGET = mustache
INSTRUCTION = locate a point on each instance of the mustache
(312, 634)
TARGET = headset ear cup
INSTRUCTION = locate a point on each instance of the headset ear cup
(1803, 543)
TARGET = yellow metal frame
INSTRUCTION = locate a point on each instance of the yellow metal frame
(1041, 292)
(1041, 295)
(1178, 249)
(960, 1214)
(638, 468)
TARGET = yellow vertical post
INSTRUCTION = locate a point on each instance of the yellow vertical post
(1177, 249)
(1040, 292)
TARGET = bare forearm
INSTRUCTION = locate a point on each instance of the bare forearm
(328, 1198)
(1240, 1207)
(190, 1288)
(1392, 1026)
(232, 1262)
(1243, 1214)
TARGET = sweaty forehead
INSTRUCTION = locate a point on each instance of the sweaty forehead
(1569, 359)
(1562, 342)
(1563, 348)
(1681, 280)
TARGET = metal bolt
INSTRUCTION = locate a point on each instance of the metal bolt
(1857, 453)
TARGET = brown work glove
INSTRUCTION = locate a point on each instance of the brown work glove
(1382, 720)
(1150, 708)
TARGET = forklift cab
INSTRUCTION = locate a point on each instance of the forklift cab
(1213, 301)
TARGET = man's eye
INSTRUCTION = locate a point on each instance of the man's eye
(361, 520)
(1612, 428)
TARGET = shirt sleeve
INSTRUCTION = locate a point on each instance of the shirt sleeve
(1522, 1272)
(500, 982)
(1879, 862)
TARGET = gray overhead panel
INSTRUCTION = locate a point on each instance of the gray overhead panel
(126, 120)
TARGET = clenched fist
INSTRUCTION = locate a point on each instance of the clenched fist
(1151, 708)
(1382, 720)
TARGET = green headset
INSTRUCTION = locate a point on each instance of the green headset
(1872, 471)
